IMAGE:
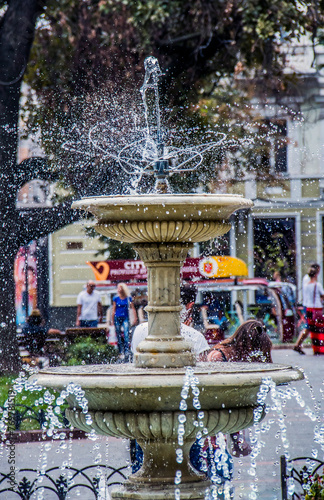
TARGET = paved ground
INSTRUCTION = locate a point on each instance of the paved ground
(299, 421)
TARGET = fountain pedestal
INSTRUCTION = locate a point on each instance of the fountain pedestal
(164, 346)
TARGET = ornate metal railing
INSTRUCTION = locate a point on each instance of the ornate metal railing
(297, 475)
(23, 413)
(62, 482)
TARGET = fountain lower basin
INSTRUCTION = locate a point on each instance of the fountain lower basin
(130, 389)
(143, 404)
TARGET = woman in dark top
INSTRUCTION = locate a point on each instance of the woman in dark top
(250, 342)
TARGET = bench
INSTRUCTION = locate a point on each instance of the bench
(72, 333)
(56, 343)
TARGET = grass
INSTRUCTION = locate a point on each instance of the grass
(5, 384)
(25, 397)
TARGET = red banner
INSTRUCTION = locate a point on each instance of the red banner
(119, 270)
(193, 268)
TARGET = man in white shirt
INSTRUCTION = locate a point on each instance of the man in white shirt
(197, 340)
(89, 310)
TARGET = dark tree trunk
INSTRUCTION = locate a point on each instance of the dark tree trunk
(16, 37)
(9, 355)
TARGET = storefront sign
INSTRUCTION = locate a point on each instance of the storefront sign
(193, 269)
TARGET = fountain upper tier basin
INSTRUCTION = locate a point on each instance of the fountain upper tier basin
(163, 218)
(172, 207)
(126, 388)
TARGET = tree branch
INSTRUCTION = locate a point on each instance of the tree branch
(35, 223)
(35, 168)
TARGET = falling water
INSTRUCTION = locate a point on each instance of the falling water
(274, 399)
(270, 399)
(191, 382)
(219, 458)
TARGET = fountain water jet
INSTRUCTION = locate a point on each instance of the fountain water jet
(142, 401)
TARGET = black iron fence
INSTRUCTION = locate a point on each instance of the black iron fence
(24, 413)
(92, 482)
(61, 483)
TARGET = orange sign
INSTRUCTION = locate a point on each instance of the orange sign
(101, 270)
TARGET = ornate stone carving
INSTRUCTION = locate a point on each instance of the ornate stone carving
(167, 254)
(163, 231)
(160, 425)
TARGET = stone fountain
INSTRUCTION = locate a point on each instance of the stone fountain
(141, 400)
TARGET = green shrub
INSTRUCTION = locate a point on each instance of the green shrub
(88, 351)
(316, 489)
(5, 385)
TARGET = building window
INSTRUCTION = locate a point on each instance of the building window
(275, 247)
(280, 146)
(74, 245)
(271, 152)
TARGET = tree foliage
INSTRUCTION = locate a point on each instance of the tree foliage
(87, 67)
(95, 42)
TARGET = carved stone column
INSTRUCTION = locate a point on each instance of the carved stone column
(164, 346)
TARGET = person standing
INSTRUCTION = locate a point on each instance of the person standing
(311, 290)
(122, 303)
(34, 332)
(89, 310)
(286, 289)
